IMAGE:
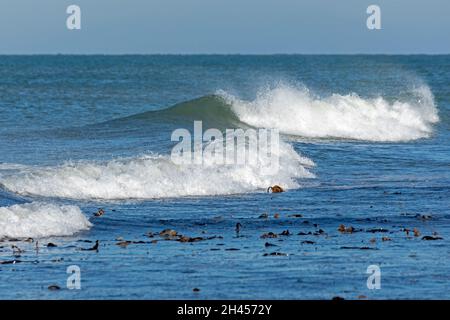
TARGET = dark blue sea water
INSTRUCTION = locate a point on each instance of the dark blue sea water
(365, 144)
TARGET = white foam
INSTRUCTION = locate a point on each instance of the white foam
(37, 220)
(297, 112)
(157, 176)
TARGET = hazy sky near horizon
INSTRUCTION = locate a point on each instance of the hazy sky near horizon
(224, 26)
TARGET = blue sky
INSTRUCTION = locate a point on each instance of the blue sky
(224, 26)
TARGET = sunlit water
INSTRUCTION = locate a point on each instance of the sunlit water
(366, 144)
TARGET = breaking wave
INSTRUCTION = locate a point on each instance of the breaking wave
(156, 176)
(39, 220)
(297, 112)
(291, 110)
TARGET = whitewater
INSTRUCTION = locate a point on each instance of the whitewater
(364, 143)
(291, 110)
(40, 219)
(154, 176)
(296, 111)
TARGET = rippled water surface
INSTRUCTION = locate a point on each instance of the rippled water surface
(365, 144)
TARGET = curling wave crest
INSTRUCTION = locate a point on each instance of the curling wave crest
(296, 111)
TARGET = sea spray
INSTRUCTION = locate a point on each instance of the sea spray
(155, 176)
(296, 111)
(238, 147)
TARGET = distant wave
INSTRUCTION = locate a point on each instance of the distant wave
(38, 220)
(295, 111)
(214, 110)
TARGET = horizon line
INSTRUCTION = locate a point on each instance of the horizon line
(223, 54)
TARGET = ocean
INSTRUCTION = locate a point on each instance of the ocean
(364, 159)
